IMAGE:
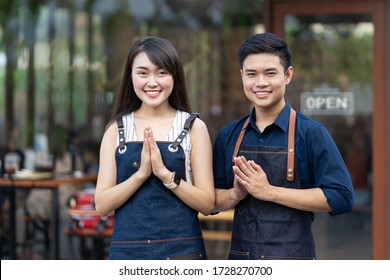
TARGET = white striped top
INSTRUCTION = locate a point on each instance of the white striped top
(174, 131)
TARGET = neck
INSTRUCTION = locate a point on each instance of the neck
(267, 116)
(159, 112)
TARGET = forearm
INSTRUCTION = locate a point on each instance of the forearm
(254, 179)
(200, 199)
(312, 199)
(224, 200)
(108, 199)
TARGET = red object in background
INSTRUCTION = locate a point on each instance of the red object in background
(83, 200)
(81, 209)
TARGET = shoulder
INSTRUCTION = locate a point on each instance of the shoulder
(199, 124)
(307, 121)
(199, 127)
(200, 136)
(228, 135)
(314, 136)
(232, 127)
(113, 126)
(309, 127)
(111, 130)
(110, 136)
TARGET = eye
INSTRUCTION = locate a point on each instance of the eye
(271, 74)
(162, 73)
(251, 74)
(141, 73)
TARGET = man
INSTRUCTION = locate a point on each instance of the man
(279, 167)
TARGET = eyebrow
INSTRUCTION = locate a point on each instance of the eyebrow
(147, 68)
(266, 70)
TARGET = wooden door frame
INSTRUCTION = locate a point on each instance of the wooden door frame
(274, 14)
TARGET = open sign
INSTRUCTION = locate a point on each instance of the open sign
(330, 102)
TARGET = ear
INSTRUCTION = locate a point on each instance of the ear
(289, 74)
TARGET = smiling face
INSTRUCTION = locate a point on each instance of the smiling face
(264, 81)
(152, 84)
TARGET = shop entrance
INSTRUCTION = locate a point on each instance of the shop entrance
(338, 81)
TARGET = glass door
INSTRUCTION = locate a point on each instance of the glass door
(332, 83)
(340, 57)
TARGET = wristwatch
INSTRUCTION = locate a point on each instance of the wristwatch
(175, 181)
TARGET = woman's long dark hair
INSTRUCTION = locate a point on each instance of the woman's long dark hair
(163, 54)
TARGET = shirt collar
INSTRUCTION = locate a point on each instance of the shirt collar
(281, 121)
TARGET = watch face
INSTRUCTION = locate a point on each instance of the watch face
(176, 179)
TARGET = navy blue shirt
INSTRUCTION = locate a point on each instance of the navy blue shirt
(317, 159)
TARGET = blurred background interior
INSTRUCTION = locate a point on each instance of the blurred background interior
(60, 65)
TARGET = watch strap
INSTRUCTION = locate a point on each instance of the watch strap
(175, 181)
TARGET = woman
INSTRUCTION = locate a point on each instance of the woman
(155, 175)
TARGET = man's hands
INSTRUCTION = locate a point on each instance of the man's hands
(251, 178)
(238, 192)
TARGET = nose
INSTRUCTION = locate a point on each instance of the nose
(261, 80)
(152, 82)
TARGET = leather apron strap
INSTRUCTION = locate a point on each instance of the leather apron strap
(290, 151)
(239, 140)
(290, 148)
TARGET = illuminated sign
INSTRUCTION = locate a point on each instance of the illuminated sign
(327, 101)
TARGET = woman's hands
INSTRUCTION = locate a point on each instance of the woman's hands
(151, 160)
(146, 167)
(200, 197)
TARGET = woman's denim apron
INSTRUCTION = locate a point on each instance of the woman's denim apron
(267, 230)
(154, 223)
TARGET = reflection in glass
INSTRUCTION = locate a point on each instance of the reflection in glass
(332, 57)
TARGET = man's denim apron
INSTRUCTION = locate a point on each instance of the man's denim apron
(267, 230)
(154, 223)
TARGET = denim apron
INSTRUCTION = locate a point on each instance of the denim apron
(267, 230)
(154, 223)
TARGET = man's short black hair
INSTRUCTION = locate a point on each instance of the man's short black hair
(265, 43)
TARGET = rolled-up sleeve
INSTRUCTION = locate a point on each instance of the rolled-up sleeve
(330, 171)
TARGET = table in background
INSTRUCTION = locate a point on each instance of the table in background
(98, 239)
(53, 184)
(216, 234)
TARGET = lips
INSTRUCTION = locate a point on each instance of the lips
(152, 93)
(261, 94)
